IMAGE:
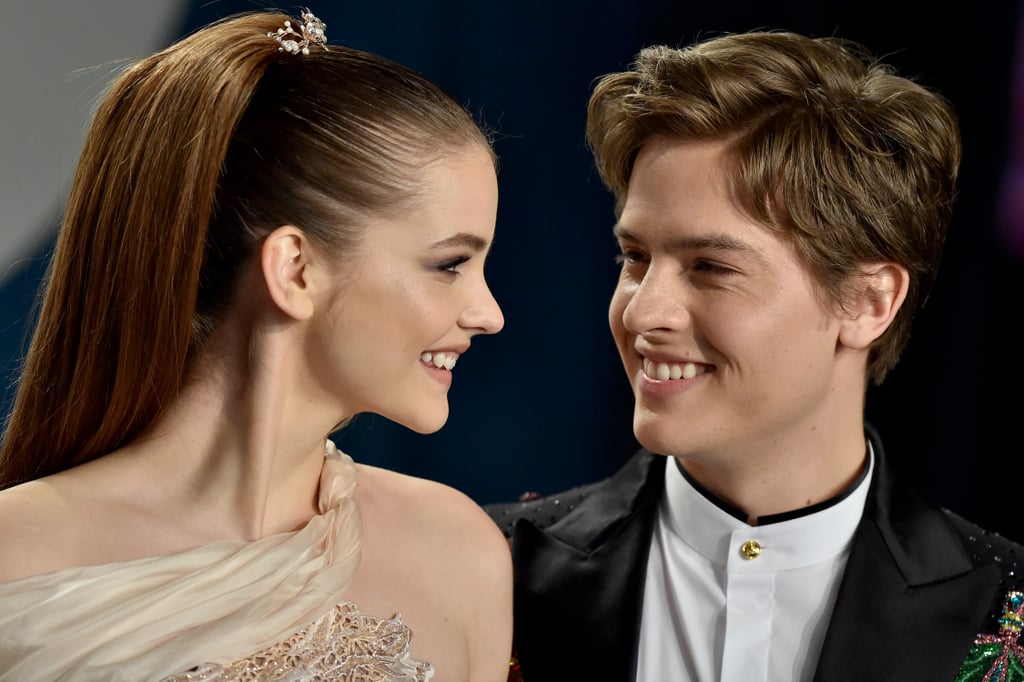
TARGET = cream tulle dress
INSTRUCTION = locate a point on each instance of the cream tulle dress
(266, 610)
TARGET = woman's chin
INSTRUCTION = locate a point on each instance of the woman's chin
(425, 423)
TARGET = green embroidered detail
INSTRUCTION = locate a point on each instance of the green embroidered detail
(998, 658)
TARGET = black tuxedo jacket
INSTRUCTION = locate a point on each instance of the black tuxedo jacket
(919, 584)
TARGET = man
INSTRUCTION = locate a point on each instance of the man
(782, 205)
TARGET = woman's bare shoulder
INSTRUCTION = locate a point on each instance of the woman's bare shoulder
(74, 518)
(435, 527)
(428, 511)
(459, 558)
(36, 529)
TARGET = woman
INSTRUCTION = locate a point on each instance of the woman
(265, 237)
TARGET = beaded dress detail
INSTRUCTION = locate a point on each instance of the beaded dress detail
(344, 645)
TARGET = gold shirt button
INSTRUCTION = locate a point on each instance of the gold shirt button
(751, 549)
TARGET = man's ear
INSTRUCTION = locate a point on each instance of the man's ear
(874, 298)
(285, 257)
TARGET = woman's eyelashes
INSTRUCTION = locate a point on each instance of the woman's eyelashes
(451, 265)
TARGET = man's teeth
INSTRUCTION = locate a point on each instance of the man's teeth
(440, 359)
(673, 370)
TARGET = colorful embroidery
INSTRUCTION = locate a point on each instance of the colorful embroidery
(998, 658)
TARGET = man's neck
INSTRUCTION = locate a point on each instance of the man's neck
(769, 519)
(756, 485)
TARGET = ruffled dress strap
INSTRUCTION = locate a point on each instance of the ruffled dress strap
(154, 617)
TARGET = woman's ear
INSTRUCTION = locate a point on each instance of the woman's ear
(876, 295)
(285, 257)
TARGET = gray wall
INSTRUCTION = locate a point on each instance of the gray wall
(56, 57)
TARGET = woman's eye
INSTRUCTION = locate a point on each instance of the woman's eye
(452, 265)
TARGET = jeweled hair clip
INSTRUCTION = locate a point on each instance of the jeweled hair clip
(312, 31)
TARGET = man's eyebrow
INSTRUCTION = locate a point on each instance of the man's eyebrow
(711, 241)
(472, 241)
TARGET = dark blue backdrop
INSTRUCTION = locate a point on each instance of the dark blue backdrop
(545, 405)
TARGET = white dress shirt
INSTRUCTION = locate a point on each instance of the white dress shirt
(717, 609)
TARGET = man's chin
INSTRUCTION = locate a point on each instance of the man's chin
(657, 436)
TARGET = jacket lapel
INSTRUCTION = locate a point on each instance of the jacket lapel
(579, 584)
(910, 600)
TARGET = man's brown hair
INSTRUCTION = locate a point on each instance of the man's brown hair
(854, 163)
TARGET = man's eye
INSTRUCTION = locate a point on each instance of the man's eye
(629, 257)
(712, 267)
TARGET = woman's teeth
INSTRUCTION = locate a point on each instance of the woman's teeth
(440, 359)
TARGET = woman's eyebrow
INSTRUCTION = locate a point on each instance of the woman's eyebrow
(472, 241)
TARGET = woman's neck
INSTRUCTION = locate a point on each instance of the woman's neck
(241, 443)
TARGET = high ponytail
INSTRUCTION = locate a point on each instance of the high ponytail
(195, 155)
